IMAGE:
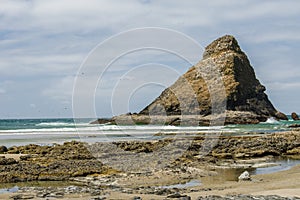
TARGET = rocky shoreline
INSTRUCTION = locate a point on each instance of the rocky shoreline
(142, 167)
(232, 117)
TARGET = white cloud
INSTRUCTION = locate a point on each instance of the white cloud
(43, 41)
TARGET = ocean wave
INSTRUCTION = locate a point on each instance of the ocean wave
(271, 120)
(55, 124)
(61, 124)
(109, 128)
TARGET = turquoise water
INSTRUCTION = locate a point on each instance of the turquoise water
(49, 131)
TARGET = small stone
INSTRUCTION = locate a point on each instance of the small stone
(99, 198)
(137, 198)
(294, 116)
(95, 193)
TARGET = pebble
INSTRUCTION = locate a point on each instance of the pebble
(137, 198)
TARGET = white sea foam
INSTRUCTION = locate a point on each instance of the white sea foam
(49, 124)
(54, 124)
(271, 120)
(111, 129)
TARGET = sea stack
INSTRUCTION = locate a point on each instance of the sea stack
(245, 98)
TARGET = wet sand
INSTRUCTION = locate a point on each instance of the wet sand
(14, 156)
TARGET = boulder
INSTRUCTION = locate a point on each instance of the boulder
(3, 149)
(294, 116)
(294, 126)
(281, 116)
(245, 176)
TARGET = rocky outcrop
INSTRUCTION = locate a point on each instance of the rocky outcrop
(73, 159)
(243, 91)
(222, 80)
(52, 163)
(294, 116)
(232, 117)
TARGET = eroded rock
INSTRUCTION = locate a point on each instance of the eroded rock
(294, 116)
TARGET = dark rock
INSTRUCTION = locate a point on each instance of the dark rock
(175, 122)
(3, 149)
(294, 126)
(294, 116)
(42, 194)
(25, 157)
(281, 116)
(22, 196)
(178, 196)
(102, 121)
(137, 198)
(99, 198)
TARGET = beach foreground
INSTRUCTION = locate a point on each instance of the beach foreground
(172, 168)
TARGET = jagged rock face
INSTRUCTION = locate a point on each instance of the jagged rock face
(191, 93)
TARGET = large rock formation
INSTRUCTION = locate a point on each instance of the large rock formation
(243, 91)
(198, 92)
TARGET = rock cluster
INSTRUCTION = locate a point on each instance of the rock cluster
(73, 159)
(57, 162)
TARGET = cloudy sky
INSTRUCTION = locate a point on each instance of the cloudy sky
(44, 43)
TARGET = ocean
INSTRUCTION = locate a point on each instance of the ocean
(49, 131)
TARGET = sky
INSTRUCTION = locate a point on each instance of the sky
(43, 44)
